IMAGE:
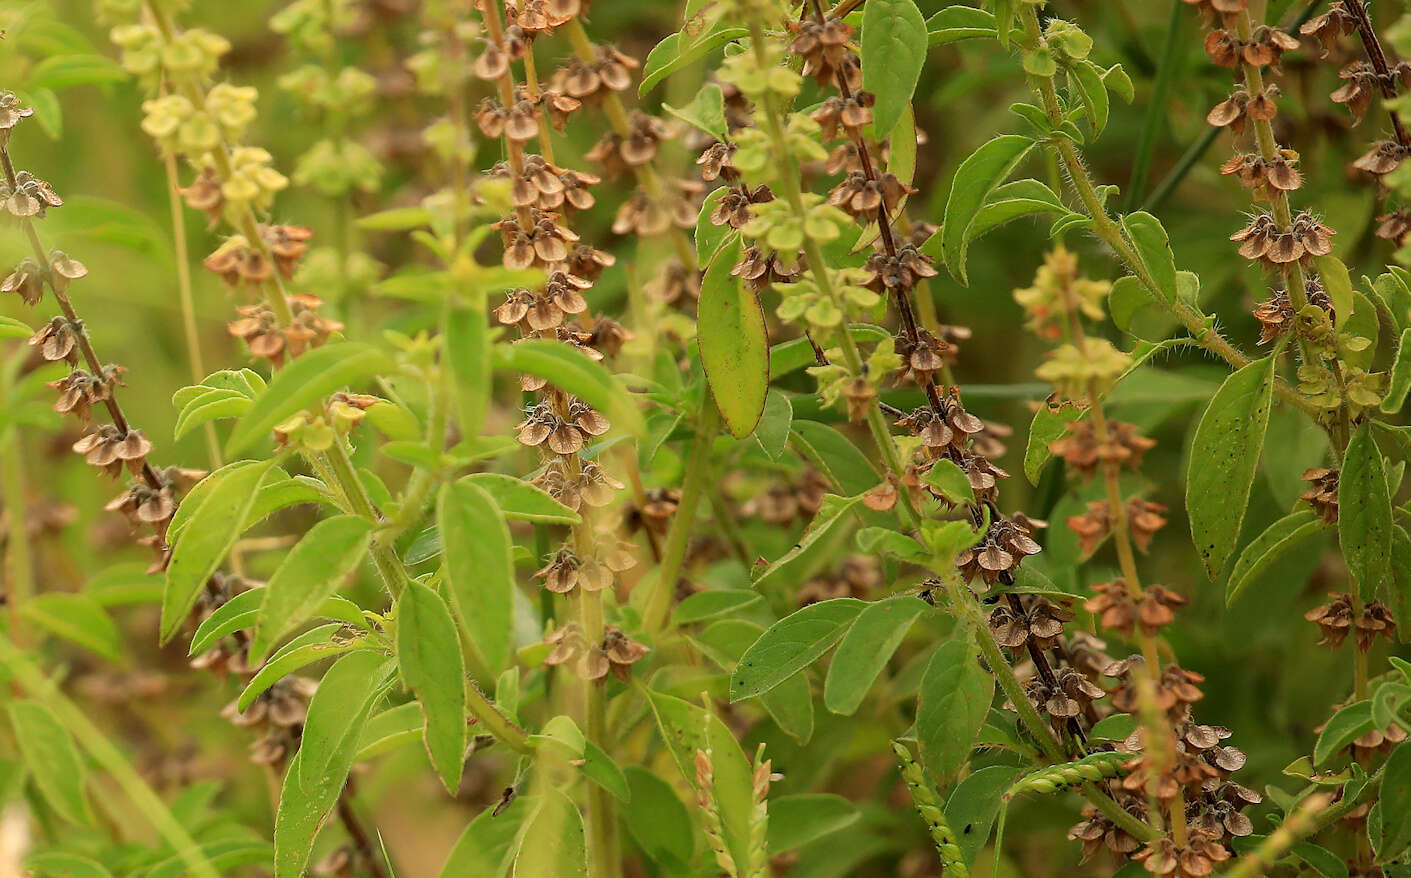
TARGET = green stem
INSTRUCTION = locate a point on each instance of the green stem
(384, 553)
(673, 555)
(108, 757)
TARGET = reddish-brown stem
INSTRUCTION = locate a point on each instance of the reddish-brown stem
(1373, 46)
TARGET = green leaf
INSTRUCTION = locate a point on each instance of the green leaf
(792, 644)
(519, 500)
(713, 603)
(243, 611)
(955, 23)
(831, 516)
(52, 758)
(338, 712)
(1344, 727)
(894, 41)
(787, 357)
(790, 703)
(1224, 457)
(77, 618)
(478, 566)
(1395, 802)
(227, 496)
(1280, 538)
(1319, 859)
(398, 219)
(976, 178)
(487, 846)
(733, 342)
(772, 432)
(1364, 511)
(668, 57)
(429, 653)
(61, 864)
(834, 456)
(1047, 427)
(950, 480)
(1011, 201)
(1400, 376)
(709, 236)
(313, 645)
(885, 541)
(467, 353)
(1337, 283)
(572, 371)
(66, 71)
(865, 650)
(553, 842)
(657, 819)
(312, 572)
(13, 328)
(954, 701)
(1146, 234)
(974, 805)
(705, 112)
(390, 729)
(796, 820)
(308, 379)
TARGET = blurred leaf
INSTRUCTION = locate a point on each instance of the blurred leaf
(520, 500)
(59, 72)
(667, 56)
(831, 516)
(1345, 726)
(713, 603)
(657, 820)
(705, 112)
(1395, 803)
(467, 352)
(76, 618)
(52, 759)
(1224, 455)
(955, 23)
(487, 846)
(61, 864)
(796, 820)
(572, 371)
(429, 653)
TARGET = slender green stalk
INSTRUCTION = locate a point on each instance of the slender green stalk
(673, 554)
(108, 757)
(1157, 109)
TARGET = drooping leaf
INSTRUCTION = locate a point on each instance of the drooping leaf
(669, 55)
(553, 842)
(312, 572)
(894, 42)
(865, 650)
(976, 178)
(792, 644)
(77, 618)
(796, 820)
(734, 343)
(955, 23)
(429, 654)
(214, 525)
(520, 500)
(790, 703)
(705, 112)
(955, 699)
(303, 382)
(316, 644)
(243, 611)
(713, 603)
(1224, 458)
(1280, 538)
(478, 568)
(1048, 426)
(1364, 511)
(572, 371)
(52, 758)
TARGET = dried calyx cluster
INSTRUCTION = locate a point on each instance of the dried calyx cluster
(1288, 246)
(1179, 775)
(116, 447)
(538, 235)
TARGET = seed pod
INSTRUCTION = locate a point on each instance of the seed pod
(1055, 778)
(924, 798)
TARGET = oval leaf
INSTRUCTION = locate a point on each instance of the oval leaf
(429, 653)
(733, 342)
(792, 644)
(478, 567)
(866, 649)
